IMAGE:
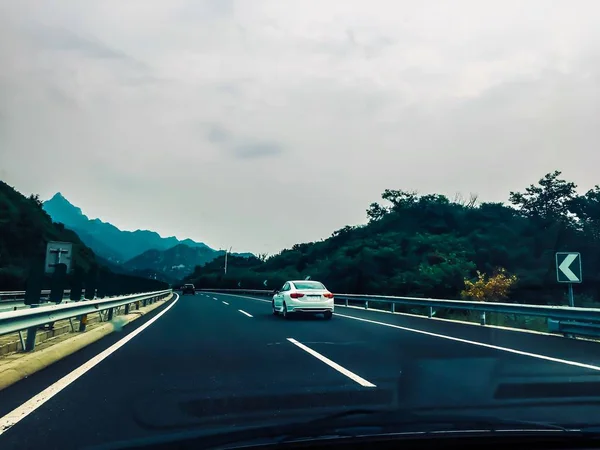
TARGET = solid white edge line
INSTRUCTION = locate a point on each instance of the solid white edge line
(332, 364)
(244, 312)
(480, 344)
(460, 322)
(22, 411)
(465, 341)
(224, 302)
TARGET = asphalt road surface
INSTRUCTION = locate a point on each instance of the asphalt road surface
(213, 360)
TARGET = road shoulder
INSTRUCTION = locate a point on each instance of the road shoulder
(18, 366)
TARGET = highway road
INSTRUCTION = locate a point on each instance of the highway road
(215, 360)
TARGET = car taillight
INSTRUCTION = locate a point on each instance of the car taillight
(296, 295)
(328, 295)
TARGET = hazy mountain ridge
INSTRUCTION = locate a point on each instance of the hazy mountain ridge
(176, 262)
(108, 241)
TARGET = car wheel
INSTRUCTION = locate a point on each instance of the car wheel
(286, 314)
(275, 312)
(327, 315)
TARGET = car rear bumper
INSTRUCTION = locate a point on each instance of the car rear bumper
(310, 310)
(310, 307)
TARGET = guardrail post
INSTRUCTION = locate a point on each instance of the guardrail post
(83, 322)
(345, 302)
(393, 307)
(111, 313)
(31, 332)
(366, 304)
(482, 320)
(430, 312)
(22, 340)
(127, 308)
(30, 344)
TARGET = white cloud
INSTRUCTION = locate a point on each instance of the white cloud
(260, 124)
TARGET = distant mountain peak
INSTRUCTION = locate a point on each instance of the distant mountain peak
(107, 240)
(62, 210)
(59, 198)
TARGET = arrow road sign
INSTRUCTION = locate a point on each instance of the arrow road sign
(568, 267)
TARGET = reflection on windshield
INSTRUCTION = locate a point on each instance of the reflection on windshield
(426, 171)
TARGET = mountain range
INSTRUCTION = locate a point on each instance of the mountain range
(25, 229)
(104, 238)
(139, 251)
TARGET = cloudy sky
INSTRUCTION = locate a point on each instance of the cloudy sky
(258, 124)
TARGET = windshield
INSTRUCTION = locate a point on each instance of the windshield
(223, 214)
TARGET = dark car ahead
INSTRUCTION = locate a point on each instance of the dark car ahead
(188, 289)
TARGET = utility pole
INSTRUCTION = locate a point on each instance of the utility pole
(226, 251)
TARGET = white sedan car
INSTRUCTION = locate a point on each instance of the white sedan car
(303, 297)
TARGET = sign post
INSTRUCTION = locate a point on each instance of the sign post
(568, 270)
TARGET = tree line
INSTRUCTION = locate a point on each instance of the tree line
(433, 246)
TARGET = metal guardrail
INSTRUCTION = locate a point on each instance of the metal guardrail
(17, 298)
(21, 294)
(569, 328)
(561, 319)
(32, 318)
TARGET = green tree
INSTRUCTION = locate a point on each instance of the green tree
(548, 201)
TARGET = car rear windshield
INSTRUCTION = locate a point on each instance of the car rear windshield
(308, 285)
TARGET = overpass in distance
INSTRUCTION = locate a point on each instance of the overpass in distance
(220, 358)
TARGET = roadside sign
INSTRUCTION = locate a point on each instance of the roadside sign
(58, 253)
(568, 267)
